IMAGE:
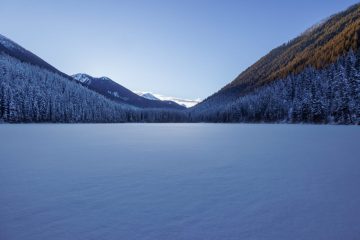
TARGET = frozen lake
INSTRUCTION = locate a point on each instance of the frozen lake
(179, 181)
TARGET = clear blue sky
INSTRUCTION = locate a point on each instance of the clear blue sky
(183, 48)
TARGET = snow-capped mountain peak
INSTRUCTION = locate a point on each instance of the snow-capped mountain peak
(183, 102)
(147, 96)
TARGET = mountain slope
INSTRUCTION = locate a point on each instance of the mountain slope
(29, 93)
(114, 91)
(318, 47)
(12, 49)
(316, 74)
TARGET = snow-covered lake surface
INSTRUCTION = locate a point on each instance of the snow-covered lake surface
(179, 181)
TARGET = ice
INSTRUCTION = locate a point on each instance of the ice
(179, 181)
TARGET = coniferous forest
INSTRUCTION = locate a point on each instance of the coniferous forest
(32, 94)
(331, 95)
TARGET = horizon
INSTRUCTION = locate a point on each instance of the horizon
(160, 39)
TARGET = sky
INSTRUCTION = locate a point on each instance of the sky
(184, 48)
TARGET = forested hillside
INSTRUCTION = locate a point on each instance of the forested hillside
(29, 93)
(318, 47)
(330, 95)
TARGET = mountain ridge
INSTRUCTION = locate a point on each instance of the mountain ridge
(118, 93)
(318, 47)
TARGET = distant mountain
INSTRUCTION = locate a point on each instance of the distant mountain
(114, 91)
(147, 95)
(183, 102)
(285, 84)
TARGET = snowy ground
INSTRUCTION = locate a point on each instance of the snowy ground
(179, 181)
